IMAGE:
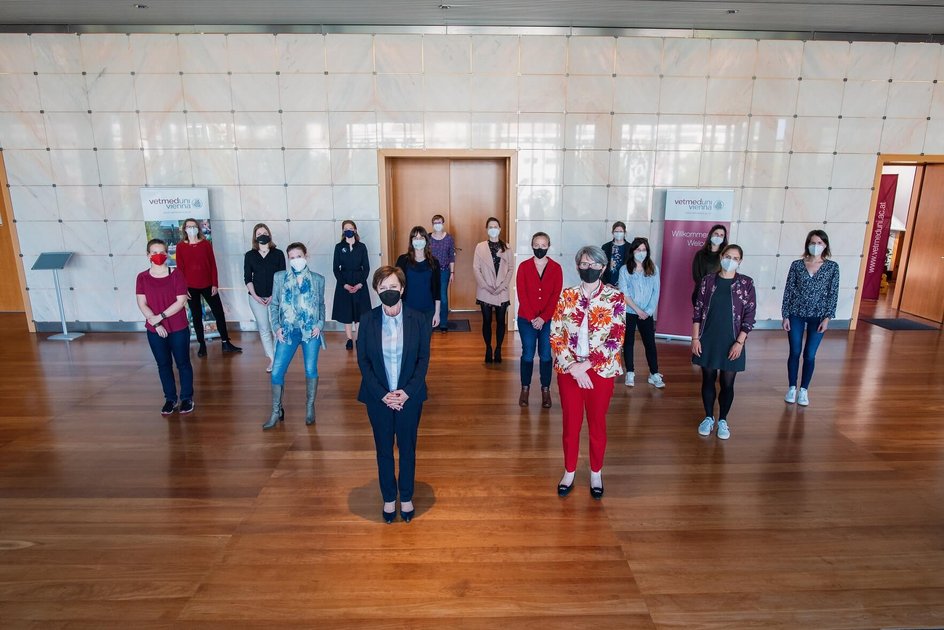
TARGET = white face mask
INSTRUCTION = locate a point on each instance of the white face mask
(640, 256)
(298, 264)
(494, 232)
(191, 231)
(419, 243)
(729, 264)
(717, 240)
(816, 250)
(438, 227)
(618, 236)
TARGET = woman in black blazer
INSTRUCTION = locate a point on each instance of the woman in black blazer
(393, 355)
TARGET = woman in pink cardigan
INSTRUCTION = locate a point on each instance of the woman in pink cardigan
(493, 269)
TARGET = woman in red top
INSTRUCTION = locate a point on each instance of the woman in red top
(196, 261)
(539, 285)
(161, 297)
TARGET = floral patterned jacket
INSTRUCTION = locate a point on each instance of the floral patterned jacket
(606, 327)
(743, 302)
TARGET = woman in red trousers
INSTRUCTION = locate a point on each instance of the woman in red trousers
(587, 337)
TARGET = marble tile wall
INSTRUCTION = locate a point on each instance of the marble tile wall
(285, 129)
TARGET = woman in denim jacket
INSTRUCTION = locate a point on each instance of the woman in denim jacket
(725, 308)
(297, 313)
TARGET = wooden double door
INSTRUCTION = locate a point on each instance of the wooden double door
(922, 291)
(465, 191)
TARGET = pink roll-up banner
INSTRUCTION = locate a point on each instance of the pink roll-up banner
(689, 214)
(878, 243)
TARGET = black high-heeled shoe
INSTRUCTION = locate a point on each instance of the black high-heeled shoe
(389, 517)
(407, 516)
(563, 491)
(596, 493)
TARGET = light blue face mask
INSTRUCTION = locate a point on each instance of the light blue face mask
(640, 256)
(729, 264)
(419, 243)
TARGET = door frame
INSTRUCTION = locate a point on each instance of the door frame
(388, 253)
(6, 214)
(889, 159)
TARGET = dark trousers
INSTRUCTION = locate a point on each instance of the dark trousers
(196, 312)
(647, 330)
(813, 337)
(501, 323)
(175, 348)
(402, 425)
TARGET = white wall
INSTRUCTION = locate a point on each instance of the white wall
(602, 125)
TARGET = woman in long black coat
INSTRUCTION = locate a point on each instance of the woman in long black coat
(351, 269)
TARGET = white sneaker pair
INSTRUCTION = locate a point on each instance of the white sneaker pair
(654, 379)
(708, 424)
(801, 397)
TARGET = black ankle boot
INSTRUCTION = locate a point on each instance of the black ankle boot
(488, 354)
(498, 354)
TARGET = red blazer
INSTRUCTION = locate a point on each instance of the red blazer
(198, 264)
(537, 296)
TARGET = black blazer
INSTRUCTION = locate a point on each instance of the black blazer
(413, 367)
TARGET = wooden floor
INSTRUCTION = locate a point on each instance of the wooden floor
(826, 517)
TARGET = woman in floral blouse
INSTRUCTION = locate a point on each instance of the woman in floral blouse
(297, 313)
(586, 337)
(724, 315)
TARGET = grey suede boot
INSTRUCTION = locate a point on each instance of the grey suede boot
(278, 414)
(312, 390)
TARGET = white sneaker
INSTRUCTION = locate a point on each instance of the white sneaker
(706, 426)
(804, 397)
(723, 432)
(791, 396)
(630, 379)
(656, 380)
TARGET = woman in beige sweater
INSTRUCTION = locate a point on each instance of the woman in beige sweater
(493, 268)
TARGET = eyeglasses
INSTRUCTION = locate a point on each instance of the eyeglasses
(584, 265)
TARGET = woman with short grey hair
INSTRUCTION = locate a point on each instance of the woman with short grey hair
(586, 339)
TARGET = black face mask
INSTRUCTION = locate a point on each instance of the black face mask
(539, 253)
(349, 233)
(590, 275)
(390, 297)
(263, 239)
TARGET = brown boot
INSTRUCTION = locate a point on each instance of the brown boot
(523, 398)
(546, 397)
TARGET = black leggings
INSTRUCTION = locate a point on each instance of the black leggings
(647, 330)
(196, 312)
(725, 397)
(501, 313)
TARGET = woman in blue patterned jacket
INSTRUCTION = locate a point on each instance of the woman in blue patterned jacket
(809, 302)
(297, 313)
(725, 309)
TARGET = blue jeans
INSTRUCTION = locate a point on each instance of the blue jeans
(285, 351)
(444, 276)
(797, 324)
(532, 340)
(174, 348)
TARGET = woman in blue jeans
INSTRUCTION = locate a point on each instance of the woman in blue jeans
(539, 283)
(809, 302)
(297, 313)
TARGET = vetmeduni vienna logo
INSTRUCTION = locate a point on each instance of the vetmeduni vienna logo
(197, 203)
(719, 205)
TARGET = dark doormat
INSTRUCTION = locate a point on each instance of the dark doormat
(459, 325)
(900, 324)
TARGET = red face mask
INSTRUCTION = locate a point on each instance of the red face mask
(159, 259)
